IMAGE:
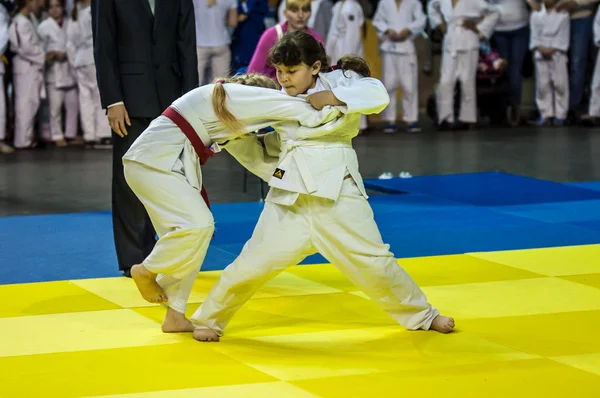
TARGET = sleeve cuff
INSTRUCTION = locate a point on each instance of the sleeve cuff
(115, 104)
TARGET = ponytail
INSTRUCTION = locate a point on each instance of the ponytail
(219, 98)
(353, 63)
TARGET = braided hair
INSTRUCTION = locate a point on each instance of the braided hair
(219, 97)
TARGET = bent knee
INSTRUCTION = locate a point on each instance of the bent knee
(200, 229)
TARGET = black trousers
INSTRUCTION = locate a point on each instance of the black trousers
(133, 231)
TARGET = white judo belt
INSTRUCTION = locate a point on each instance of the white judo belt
(291, 147)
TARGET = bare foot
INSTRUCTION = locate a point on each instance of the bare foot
(442, 324)
(60, 143)
(176, 322)
(146, 284)
(206, 335)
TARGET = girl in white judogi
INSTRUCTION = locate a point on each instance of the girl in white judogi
(163, 168)
(594, 111)
(344, 36)
(4, 22)
(550, 36)
(317, 201)
(345, 33)
(28, 71)
(464, 23)
(80, 47)
(61, 86)
(398, 23)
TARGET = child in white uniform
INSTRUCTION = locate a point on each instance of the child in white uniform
(464, 23)
(61, 86)
(344, 36)
(4, 22)
(162, 167)
(594, 111)
(80, 45)
(398, 23)
(550, 36)
(317, 201)
(28, 72)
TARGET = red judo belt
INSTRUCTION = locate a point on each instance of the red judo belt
(203, 152)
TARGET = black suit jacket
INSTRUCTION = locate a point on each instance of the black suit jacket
(147, 61)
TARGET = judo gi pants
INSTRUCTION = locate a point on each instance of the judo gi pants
(94, 122)
(133, 231)
(401, 70)
(27, 89)
(184, 225)
(59, 98)
(552, 86)
(595, 89)
(459, 67)
(344, 232)
(2, 109)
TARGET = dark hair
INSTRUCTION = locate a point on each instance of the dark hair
(299, 47)
(19, 5)
(62, 3)
(75, 10)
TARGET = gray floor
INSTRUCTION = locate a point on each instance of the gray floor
(77, 180)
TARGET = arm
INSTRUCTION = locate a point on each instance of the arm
(564, 34)
(44, 36)
(597, 29)
(573, 5)
(258, 64)
(186, 46)
(434, 11)
(490, 19)
(250, 153)
(257, 105)
(30, 46)
(73, 36)
(419, 20)
(232, 17)
(105, 52)
(534, 41)
(380, 22)
(84, 35)
(4, 21)
(70, 43)
(363, 95)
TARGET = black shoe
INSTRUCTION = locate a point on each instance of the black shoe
(105, 143)
(445, 126)
(127, 273)
(461, 126)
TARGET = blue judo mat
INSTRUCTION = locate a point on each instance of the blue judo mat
(425, 216)
(486, 189)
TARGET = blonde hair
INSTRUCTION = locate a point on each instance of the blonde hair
(298, 3)
(219, 97)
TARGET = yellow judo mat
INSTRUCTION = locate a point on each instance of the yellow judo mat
(528, 325)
